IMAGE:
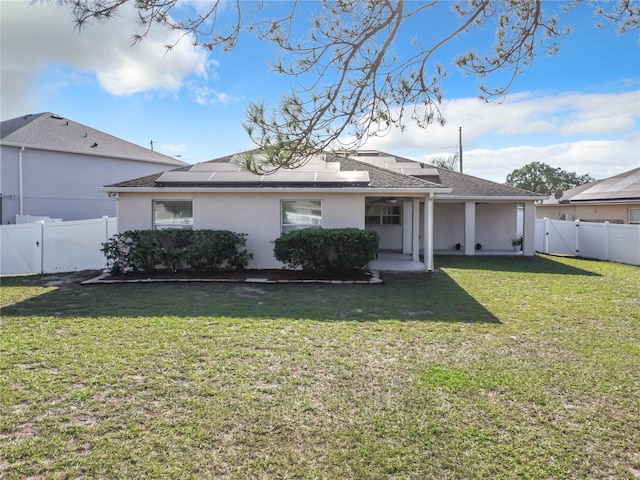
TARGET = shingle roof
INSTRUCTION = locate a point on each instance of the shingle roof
(378, 177)
(468, 185)
(461, 184)
(383, 178)
(620, 188)
(49, 131)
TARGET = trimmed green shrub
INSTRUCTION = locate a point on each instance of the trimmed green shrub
(170, 246)
(148, 250)
(132, 250)
(217, 249)
(320, 250)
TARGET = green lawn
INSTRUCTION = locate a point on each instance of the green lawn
(487, 368)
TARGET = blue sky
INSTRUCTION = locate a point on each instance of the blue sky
(578, 110)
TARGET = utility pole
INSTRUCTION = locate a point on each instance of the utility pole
(460, 145)
(151, 142)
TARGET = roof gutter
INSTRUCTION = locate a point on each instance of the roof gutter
(170, 160)
(603, 201)
(491, 198)
(367, 190)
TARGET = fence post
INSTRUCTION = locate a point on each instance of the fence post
(577, 236)
(106, 228)
(40, 244)
(546, 235)
(605, 240)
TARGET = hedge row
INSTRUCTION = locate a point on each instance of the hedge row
(200, 250)
(327, 250)
(316, 250)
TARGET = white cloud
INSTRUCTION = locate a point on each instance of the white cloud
(205, 95)
(599, 158)
(585, 133)
(521, 114)
(38, 36)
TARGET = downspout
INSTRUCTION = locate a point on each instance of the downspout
(20, 180)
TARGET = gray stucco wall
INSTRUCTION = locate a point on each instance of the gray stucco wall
(64, 185)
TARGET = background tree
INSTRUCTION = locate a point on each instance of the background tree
(350, 82)
(541, 178)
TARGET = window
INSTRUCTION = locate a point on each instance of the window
(382, 215)
(634, 216)
(299, 214)
(172, 214)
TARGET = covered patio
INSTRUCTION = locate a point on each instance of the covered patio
(395, 262)
(401, 262)
(404, 225)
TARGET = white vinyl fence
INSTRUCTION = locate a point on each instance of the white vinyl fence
(51, 247)
(602, 241)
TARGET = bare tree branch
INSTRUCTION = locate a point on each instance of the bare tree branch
(350, 84)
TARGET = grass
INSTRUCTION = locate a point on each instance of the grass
(488, 368)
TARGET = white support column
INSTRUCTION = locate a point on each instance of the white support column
(529, 229)
(428, 233)
(407, 227)
(470, 228)
(415, 232)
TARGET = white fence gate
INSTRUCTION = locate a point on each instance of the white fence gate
(51, 247)
(602, 241)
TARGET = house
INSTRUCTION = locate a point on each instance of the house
(615, 199)
(52, 167)
(413, 207)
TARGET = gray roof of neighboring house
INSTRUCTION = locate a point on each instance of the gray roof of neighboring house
(48, 131)
(624, 187)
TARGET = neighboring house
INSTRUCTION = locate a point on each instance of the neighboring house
(52, 167)
(615, 199)
(413, 207)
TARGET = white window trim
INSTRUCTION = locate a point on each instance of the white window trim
(634, 221)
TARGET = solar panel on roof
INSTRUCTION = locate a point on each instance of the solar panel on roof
(343, 177)
(292, 176)
(417, 171)
(183, 177)
(379, 163)
(279, 177)
(376, 160)
(230, 177)
(215, 167)
(316, 165)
